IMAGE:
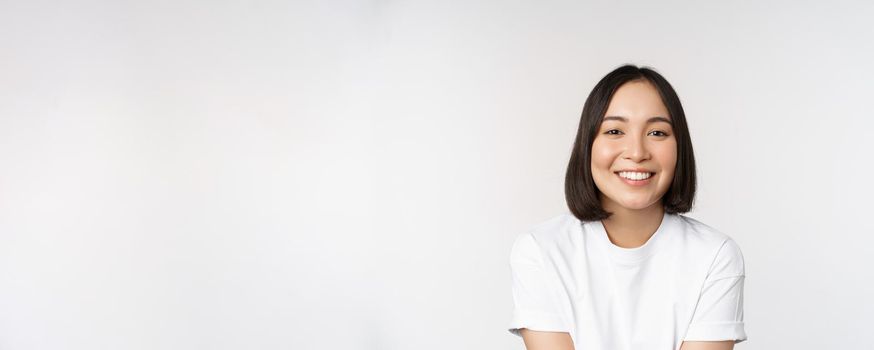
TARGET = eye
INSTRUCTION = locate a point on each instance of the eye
(611, 132)
(659, 131)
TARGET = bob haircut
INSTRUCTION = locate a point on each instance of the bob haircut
(583, 197)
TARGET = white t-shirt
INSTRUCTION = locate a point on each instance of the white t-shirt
(684, 283)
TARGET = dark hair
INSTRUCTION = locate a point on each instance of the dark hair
(579, 188)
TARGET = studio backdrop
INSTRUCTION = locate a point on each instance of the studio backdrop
(351, 174)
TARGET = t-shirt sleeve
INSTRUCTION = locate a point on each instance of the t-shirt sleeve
(719, 313)
(536, 291)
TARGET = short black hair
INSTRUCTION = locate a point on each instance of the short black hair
(579, 187)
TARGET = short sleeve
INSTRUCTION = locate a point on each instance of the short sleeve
(536, 291)
(719, 312)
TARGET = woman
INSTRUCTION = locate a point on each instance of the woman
(623, 269)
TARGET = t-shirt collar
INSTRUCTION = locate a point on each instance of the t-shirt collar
(632, 256)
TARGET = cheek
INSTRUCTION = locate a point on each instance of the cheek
(602, 155)
(668, 159)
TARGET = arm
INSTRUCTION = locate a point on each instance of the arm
(537, 297)
(537, 340)
(708, 345)
(718, 320)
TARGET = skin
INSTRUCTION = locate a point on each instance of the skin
(635, 142)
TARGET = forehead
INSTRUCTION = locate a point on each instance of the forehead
(637, 101)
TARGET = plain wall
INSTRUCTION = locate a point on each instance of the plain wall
(351, 174)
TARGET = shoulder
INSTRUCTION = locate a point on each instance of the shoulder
(555, 227)
(719, 248)
(696, 229)
(545, 237)
(558, 232)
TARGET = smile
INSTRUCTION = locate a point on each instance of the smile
(635, 178)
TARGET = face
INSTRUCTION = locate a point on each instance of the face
(634, 152)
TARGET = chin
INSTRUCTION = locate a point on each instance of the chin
(635, 204)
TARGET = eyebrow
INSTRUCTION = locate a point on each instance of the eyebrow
(648, 121)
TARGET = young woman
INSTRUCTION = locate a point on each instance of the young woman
(623, 269)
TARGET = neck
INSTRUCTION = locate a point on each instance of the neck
(632, 228)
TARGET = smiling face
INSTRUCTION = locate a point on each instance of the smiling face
(635, 136)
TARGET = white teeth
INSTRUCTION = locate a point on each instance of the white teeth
(634, 175)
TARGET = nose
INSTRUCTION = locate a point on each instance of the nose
(636, 149)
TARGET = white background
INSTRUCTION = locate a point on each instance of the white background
(350, 175)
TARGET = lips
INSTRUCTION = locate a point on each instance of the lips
(636, 170)
(636, 183)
